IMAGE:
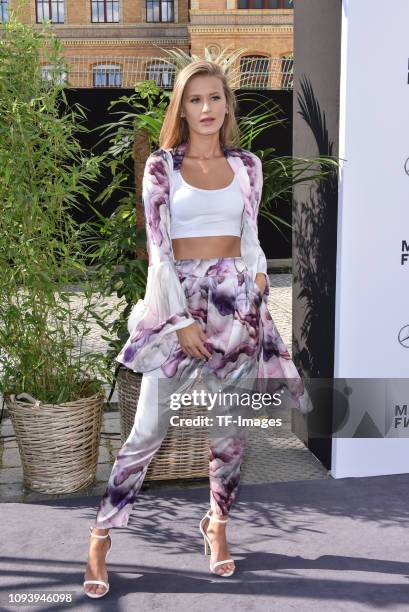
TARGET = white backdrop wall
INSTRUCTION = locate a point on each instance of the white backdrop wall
(372, 296)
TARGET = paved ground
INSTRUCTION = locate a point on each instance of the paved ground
(272, 456)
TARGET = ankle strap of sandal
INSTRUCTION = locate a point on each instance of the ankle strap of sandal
(213, 518)
(100, 537)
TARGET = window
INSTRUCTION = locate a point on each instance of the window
(265, 4)
(49, 72)
(4, 11)
(159, 10)
(287, 69)
(50, 10)
(103, 11)
(161, 73)
(107, 75)
(254, 72)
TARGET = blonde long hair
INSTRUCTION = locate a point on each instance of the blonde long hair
(175, 129)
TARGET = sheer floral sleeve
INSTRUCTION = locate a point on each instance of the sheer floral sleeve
(250, 243)
(155, 319)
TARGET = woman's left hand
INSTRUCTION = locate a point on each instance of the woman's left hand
(261, 281)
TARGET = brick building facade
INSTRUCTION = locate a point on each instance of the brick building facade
(118, 42)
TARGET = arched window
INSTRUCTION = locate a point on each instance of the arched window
(265, 4)
(4, 11)
(254, 71)
(105, 11)
(287, 71)
(49, 72)
(107, 75)
(160, 10)
(50, 9)
(160, 72)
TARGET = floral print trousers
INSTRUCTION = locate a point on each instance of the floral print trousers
(229, 307)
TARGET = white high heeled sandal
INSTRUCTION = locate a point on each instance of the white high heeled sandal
(105, 584)
(207, 544)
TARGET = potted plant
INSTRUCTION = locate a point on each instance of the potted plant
(51, 377)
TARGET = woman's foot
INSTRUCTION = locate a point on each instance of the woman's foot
(96, 568)
(216, 533)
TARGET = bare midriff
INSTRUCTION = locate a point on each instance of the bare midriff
(206, 247)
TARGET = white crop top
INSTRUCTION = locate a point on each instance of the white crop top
(198, 212)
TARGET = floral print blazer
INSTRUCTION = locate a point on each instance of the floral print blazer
(164, 308)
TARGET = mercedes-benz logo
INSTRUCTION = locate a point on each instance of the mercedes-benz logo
(403, 336)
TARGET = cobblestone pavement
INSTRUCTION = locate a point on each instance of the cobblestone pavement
(273, 455)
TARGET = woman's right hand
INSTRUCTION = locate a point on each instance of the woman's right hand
(191, 339)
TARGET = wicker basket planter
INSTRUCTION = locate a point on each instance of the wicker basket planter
(58, 443)
(184, 451)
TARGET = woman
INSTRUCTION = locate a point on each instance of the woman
(205, 307)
